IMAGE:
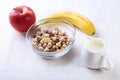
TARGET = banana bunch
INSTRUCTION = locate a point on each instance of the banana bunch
(78, 20)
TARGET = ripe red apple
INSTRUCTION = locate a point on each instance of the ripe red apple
(21, 18)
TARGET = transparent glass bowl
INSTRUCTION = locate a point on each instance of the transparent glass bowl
(63, 25)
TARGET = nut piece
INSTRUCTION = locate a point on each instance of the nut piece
(38, 37)
(49, 45)
(41, 42)
(35, 40)
(40, 48)
(53, 38)
(61, 38)
(44, 45)
(46, 35)
(64, 45)
(39, 33)
(46, 30)
(35, 44)
(46, 49)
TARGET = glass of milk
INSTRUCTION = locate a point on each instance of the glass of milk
(94, 54)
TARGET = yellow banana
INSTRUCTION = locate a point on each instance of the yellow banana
(78, 20)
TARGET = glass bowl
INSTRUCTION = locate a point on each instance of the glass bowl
(61, 24)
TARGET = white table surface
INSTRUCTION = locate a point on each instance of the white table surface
(18, 62)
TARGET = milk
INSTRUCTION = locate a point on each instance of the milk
(95, 45)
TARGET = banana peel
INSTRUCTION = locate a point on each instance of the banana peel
(78, 20)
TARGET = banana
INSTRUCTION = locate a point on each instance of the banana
(78, 20)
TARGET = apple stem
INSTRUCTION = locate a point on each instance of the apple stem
(18, 10)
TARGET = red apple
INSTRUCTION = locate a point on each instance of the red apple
(21, 18)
